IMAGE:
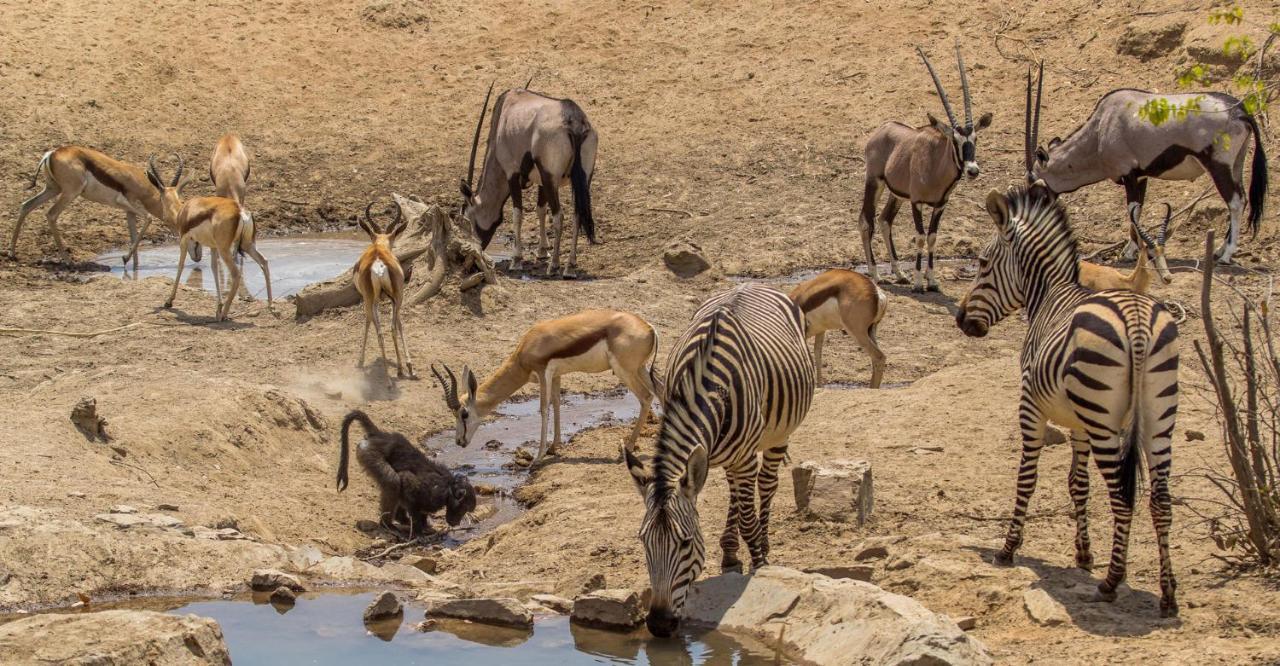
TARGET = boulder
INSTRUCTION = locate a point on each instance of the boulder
(505, 611)
(284, 596)
(862, 572)
(684, 258)
(386, 605)
(113, 637)
(265, 580)
(85, 417)
(835, 490)
(1148, 41)
(423, 564)
(304, 557)
(553, 602)
(1043, 609)
(828, 620)
(608, 609)
(125, 521)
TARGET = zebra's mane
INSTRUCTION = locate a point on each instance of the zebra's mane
(671, 459)
(1042, 229)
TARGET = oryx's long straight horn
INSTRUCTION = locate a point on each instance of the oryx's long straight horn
(1028, 151)
(937, 83)
(1035, 123)
(964, 86)
(530, 81)
(475, 140)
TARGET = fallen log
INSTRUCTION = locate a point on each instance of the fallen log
(340, 292)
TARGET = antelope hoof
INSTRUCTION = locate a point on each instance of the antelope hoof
(901, 279)
(517, 264)
(552, 269)
(168, 304)
(730, 563)
(570, 273)
(1003, 559)
(1168, 608)
(1084, 561)
(917, 289)
(1103, 596)
(933, 286)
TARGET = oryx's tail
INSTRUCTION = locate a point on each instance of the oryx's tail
(41, 167)
(579, 129)
(1258, 181)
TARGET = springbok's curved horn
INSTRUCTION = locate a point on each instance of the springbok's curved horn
(151, 168)
(395, 205)
(449, 386)
(1137, 228)
(475, 141)
(1163, 235)
(369, 219)
(177, 176)
(964, 85)
(937, 83)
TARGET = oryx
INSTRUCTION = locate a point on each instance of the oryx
(1118, 144)
(530, 131)
(921, 165)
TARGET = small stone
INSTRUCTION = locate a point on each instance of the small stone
(121, 520)
(834, 490)
(166, 507)
(684, 258)
(1194, 436)
(553, 602)
(502, 611)
(284, 596)
(493, 445)
(596, 582)
(76, 494)
(423, 564)
(368, 526)
(876, 552)
(383, 607)
(270, 579)
(425, 626)
(966, 622)
(608, 609)
(85, 417)
(1043, 609)
(900, 562)
(860, 572)
(486, 489)
(122, 508)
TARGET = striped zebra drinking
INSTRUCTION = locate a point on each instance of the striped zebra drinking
(740, 381)
(1104, 364)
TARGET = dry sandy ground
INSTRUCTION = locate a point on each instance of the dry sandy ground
(747, 121)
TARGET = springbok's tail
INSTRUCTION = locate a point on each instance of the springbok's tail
(43, 166)
(882, 304)
(1258, 181)
(657, 385)
(245, 234)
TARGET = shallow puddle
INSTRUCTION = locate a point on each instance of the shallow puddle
(489, 458)
(326, 628)
(295, 262)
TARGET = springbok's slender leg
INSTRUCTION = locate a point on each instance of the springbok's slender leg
(65, 197)
(543, 390)
(866, 338)
(50, 191)
(397, 325)
(867, 227)
(634, 381)
(889, 212)
(395, 339)
(377, 330)
(517, 221)
(555, 412)
(368, 320)
(917, 216)
(131, 221)
(817, 355)
(252, 251)
(543, 241)
(217, 276)
(183, 242)
(1135, 192)
(931, 282)
(236, 277)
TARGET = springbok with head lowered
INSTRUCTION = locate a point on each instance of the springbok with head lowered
(841, 300)
(229, 168)
(739, 382)
(377, 273)
(1119, 145)
(227, 228)
(920, 165)
(75, 171)
(588, 341)
(531, 132)
(1097, 277)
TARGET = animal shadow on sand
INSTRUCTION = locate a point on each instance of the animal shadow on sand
(208, 321)
(1133, 613)
(933, 297)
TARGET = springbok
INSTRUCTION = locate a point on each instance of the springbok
(921, 165)
(377, 274)
(76, 171)
(1117, 144)
(228, 229)
(531, 131)
(589, 341)
(1098, 278)
(229, 168)
(843, 300)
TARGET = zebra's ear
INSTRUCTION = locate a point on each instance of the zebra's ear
(998, 208)
(695, 474)
(639, 474)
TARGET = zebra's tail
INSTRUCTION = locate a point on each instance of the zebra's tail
(1133, 447)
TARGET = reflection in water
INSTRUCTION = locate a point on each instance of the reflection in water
(327, 629)
(195, 278)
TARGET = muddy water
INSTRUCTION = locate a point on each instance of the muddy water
(489, 458)
(295, 262)
(326, 628)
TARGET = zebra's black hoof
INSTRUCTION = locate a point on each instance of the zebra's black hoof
(1003, 559)
(1168, 608)
(917, 289)
(1102, 596)
(731, 565)
(933, 287)
(1084, 562)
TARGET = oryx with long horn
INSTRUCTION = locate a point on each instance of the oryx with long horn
(1116, 143)
(921, 165)
(530, 131)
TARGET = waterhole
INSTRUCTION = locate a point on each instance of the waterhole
(326, 628)
(295, 262)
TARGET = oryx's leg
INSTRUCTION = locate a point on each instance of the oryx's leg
(543, 241)
(1033, 425)
(557, 217)
(1078, 485)
(817, 355)
(555, 415)
(50, 191)
(917, 216)
(517, 221)
(571, 270)
(889, 212)
(867, 226)
(183, 243)
(931, 282)
(1230, 187)
(252, 251)
(1135, 191)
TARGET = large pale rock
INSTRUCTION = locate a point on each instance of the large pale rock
(113, 637)
(829, 620)
(1043, 609)
(685, 259)
(553, 602)
(504, 611)
(386, 605)
(269, 579)
(834, 490)
(608, 609)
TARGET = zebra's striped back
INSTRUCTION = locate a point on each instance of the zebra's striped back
(740, 381)
(1104, 364)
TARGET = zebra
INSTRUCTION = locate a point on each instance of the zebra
(740, 382)
(1104, 364)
